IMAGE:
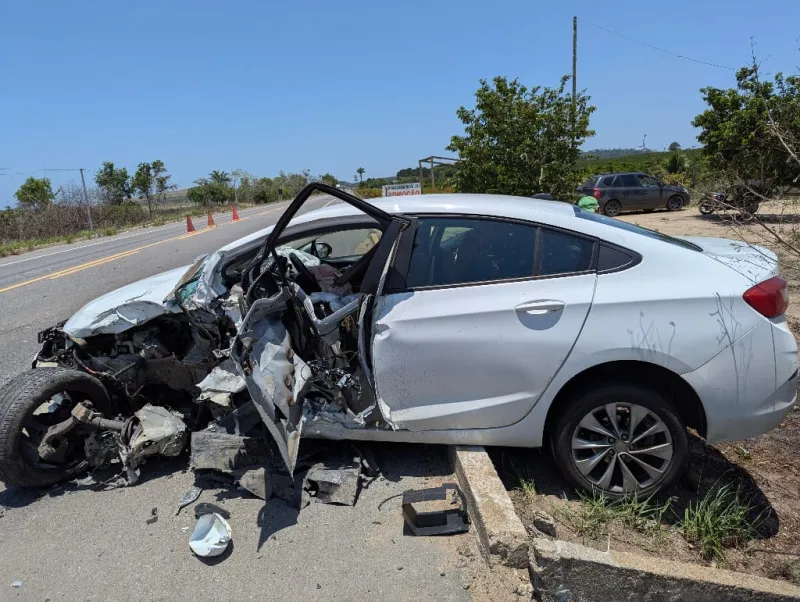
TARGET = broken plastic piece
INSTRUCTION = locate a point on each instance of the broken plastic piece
(256, 482)
(16, 584)
(188, 498)
(435, 511)
(211, 536)
(153, 517)
(333, 485)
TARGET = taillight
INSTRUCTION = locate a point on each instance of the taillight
(769, 298)
(596, 193)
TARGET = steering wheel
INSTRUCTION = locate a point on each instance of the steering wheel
(304, 278)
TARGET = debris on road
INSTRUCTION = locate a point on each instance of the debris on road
(333, 483)
(16, 584)
(211, 536)
(207, 508)
(188, 498)
(435, 511)
(153, 516)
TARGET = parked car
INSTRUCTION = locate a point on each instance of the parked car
(446, 319)
(618, 192)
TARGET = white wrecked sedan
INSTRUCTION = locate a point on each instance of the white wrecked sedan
(455, 319)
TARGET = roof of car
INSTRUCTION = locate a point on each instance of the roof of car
(621, 173)
(468, 204)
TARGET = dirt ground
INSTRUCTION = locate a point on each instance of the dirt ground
(765, 469)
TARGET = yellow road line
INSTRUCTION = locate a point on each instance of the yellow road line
(122, 255)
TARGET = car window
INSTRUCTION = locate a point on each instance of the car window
(450, 251)
(615, 223)
(648, 181)
(611, 181)
(344, 244)
(563, 253)
(629, 181)
(589, 182)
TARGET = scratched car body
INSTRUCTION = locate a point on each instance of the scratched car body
(453, 319)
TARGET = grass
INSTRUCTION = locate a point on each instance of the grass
(721, 519)
(526, 483)
(597, 512)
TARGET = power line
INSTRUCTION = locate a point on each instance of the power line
(669, 52)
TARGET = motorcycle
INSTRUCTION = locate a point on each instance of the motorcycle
(744, 200)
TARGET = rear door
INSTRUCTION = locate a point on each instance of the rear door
(487, 313)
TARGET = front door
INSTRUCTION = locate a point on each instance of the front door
(490, 311)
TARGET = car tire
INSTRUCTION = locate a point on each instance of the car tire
(19, 399)
(653, 412)
(675, 203)
(612, 208)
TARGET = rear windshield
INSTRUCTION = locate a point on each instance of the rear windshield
(615, 223)
(589, 183)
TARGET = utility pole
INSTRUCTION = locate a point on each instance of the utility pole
(86, 199)
(574, 61)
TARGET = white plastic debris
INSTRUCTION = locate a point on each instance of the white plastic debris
(211, 536)
(17, 584)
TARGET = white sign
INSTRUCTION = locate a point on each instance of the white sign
(402, 189)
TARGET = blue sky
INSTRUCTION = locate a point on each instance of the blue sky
(331, 86)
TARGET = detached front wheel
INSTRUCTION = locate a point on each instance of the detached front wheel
(29, 405)
(620, 440)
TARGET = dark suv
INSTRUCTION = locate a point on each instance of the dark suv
(616, 192)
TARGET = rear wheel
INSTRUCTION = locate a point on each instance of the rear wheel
(675, 203)
(29, 405)
(612, 208)
(620, 439)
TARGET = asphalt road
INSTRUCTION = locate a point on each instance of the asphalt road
(40, 288)
(68, 544)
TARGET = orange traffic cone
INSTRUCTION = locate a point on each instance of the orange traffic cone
(211, 223)
(235, 214)
(189, 224)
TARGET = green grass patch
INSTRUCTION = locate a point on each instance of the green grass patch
(719, 520)
(595, 514)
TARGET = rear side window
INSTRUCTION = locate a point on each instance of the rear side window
(450, 251)
(629, 181)
(563, 253)
(611, 181)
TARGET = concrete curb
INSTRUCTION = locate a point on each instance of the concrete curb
(566, 571)
(502, 536)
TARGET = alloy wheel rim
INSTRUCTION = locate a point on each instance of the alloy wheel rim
(622, 448)
(675, 203)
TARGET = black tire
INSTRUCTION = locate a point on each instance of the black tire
(675, 203)
(594, 398)
(19, 398)
(612, 208)
(706, 208)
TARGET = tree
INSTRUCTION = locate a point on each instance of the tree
(35, 193)
(360, 171)
(151, 182)
(521, 141)
(113, 183)
(675, 146)
(329, 179)
(221, 177)
(210, 193)
(747, 130)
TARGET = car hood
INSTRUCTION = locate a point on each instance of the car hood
(752, 261)
(126, 307)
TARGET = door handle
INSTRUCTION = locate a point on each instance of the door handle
(538, 308)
